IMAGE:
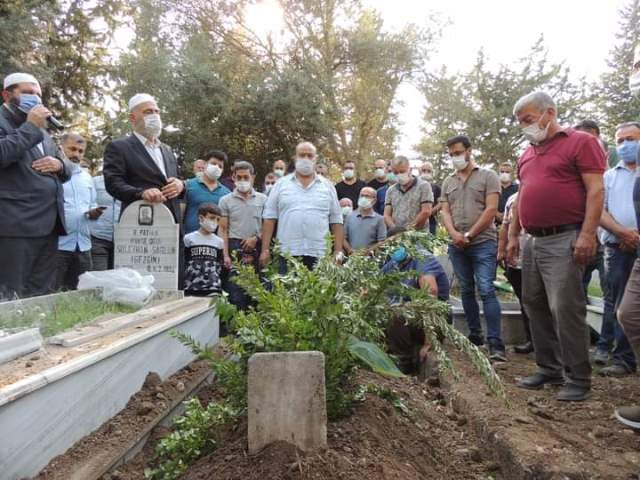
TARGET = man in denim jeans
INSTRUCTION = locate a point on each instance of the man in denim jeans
(469, 205)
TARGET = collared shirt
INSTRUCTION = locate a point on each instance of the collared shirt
(467, 200)
(426, 265)
(303, 213)
(197, 193)
(155, 152)
(79, 198)
(552, 192)
(102, 228)
(406, 204)
(244, 214)
(618, 199)
(381, 195)
(362, 230)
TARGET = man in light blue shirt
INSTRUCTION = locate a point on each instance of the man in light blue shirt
(619, 234)
(305, 207)
(102, 228)
(74, 249)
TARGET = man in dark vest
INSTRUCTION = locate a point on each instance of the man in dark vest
(31, 194)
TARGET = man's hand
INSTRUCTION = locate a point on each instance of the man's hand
(153, 195)
(424, 352)
(585, 248)
(47, 165)
(459, 240)
(173, 188)
(95, 213)
(227, 262)
(629, 239)
(38, 116)
(513, 251)
(339, 258)
(265, 256)
(250, 243)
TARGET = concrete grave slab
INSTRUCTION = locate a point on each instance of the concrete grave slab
(19, 344)
(287, 400)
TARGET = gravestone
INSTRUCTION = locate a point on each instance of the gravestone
(287, 400)
(146, 240)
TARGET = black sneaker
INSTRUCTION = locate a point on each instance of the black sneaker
(524, 348)
(630, 416)
(538, 381)
(476, 338)
(497, 353)
(573, 393)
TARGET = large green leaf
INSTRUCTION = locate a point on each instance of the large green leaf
(374, 357)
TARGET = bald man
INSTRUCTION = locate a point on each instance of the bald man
(364, 227)
(31, 193)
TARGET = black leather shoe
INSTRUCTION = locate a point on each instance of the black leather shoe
(573, 393)
(538, 381)
(476, 339)
(524, 348)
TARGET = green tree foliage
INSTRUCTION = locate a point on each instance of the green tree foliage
(615, 104)
(480, 103)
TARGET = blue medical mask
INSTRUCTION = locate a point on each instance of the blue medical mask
(399, 255)
(628, 151)
(28, 101)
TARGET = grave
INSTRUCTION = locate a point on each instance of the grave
(287, 400)
(147, 240)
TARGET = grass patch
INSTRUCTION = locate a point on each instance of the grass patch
(65, 314)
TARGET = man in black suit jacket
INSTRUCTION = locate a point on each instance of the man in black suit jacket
(139, 166)
(31, 193)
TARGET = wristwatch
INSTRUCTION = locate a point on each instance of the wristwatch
(468, 236)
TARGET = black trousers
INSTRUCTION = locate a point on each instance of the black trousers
(69, 266)
(27, 266)
(514, 276)
(101, 254)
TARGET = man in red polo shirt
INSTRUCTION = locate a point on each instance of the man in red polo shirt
(559, 206)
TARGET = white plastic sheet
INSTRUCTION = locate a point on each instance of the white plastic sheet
(122, 285)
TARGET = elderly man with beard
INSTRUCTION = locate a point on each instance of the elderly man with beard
(31, 194)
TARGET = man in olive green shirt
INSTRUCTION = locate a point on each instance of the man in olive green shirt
(469, 204)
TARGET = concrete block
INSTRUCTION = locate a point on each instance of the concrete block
(19, 344)
(287, 400)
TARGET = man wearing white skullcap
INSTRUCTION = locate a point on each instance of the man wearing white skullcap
(31, 194)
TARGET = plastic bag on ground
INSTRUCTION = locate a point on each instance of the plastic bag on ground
(122, 285)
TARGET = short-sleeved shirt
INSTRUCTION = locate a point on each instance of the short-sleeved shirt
(381, 195)
(552, 192)
(468, 200)
(508, 215)
(437, 191)
(406, 204)
(427, 265)
(618, 200)
(244, 214)
(203, 262)
(362, 230)
(351, 192)
(303, 213)
(505, 194)
(196, 194)
(376, 184)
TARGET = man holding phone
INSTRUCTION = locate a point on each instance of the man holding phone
(80, 210)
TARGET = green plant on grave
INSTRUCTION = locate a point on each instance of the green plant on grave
(191, 438)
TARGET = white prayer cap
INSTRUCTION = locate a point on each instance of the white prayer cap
(139, 98)
(16, 78)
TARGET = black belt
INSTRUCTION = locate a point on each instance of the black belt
(547, 231)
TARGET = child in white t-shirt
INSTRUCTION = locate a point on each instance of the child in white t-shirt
(204, 254)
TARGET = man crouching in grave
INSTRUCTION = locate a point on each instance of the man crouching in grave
(408, 342)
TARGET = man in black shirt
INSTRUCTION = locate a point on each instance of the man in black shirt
(350, 186)
(379, 175)
(426, 173)
(509, 187)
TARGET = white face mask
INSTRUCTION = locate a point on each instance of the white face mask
(505, 177)
(459, 162)
(213, 172)
(152, 125)
(209, 225)
(426, 176)
(279, 172)
(403, 178)
(243, 186)
(365, 203)
(536, 134)
(348, 174)
(380, 173)
(305, 166)
(346, 211)
(199, 174)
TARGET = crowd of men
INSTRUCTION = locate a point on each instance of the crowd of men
(546, 230)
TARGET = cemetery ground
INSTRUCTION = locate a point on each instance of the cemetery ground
(401, 429)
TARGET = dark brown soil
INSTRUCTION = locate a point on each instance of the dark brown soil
(552, 439)
(90, 454)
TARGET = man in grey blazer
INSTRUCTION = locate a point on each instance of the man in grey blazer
(31, 194)
(139, 166)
